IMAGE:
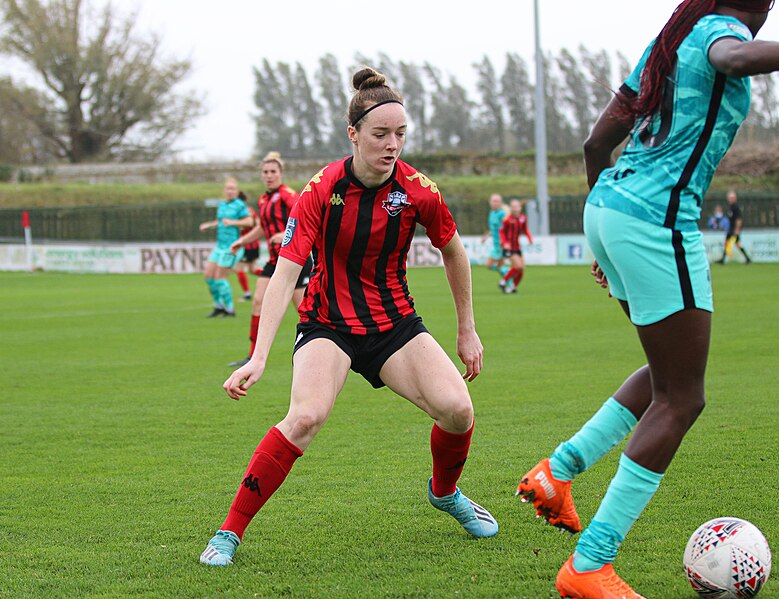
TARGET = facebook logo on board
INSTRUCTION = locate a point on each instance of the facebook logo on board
(575, 251)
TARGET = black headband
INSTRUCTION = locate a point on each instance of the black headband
(367, 110)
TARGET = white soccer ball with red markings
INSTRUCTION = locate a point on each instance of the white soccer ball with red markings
(727, 558)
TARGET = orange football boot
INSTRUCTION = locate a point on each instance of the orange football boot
(602, 583)
(551, 497)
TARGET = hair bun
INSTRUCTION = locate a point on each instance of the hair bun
(272, 156)
(367, 78)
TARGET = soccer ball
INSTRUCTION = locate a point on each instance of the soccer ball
(727, 558)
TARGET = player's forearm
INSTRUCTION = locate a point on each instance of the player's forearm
(458, 273)
(251, 236)
(274, 305)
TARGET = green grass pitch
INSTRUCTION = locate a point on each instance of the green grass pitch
(121, 453)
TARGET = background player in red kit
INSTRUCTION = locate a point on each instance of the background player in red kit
(358, 215)
(514, 225)
(273, 210)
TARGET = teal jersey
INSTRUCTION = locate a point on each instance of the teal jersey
(495, 220)
(235, 209)
(667, 166)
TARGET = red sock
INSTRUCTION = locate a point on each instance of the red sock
(450, 450)
(243, 280)
(518, 272)
(255, 324)
(269, 466)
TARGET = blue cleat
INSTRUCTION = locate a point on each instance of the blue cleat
(473, 517)
(220, 549)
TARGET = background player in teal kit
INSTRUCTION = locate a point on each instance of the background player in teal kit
(498, 211)
(231, 215)
(681, 108)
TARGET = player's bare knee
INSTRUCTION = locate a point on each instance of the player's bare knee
(459, 416)
(304, 425)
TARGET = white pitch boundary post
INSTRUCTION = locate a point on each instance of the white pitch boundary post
(27, 239)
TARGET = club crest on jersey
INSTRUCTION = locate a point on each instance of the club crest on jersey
(395, 202)
(292, 223)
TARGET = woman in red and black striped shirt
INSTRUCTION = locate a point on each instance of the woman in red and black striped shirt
(273, 210)
(358, 216)
(514, 225)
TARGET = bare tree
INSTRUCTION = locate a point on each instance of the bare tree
(108, 92)
(332, 88)
(517, 93)
(492, 109)
(20, 138)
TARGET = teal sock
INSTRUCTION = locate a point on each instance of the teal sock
(627, 496)
(494, 267)
(214, 289)
(612, 423)
(225, 294)
(503, 270)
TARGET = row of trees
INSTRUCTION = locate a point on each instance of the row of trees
(105, 93)
(303, 115)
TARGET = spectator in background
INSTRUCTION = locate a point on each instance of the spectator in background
(231, 214)
(735, 222)
(718, 221)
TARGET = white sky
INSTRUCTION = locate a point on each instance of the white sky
(225, 39)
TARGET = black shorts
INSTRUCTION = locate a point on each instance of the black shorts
(250, 255)
(368, 353)
(305, 274)
(510, 253)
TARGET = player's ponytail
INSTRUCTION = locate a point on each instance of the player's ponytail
(662, 57)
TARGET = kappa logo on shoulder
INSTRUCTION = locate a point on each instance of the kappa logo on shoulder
(395, 202)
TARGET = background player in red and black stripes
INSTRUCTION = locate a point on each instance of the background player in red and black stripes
(514, 225)
(358, 215)
(273, 210)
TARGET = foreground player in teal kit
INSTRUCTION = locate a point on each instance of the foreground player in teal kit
(681, 108)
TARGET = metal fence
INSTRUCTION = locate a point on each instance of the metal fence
(179, 221)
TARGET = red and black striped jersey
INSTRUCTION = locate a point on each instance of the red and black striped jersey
(511, 229)
(360, 238)
(245, 230)
(274, 208)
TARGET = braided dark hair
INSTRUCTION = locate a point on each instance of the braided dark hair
(661, 59)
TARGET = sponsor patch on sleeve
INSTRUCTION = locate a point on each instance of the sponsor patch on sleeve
(740, 30)
(292, 223)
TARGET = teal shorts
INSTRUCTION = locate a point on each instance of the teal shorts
(224, 258)
(656, 270)
(496, 253)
